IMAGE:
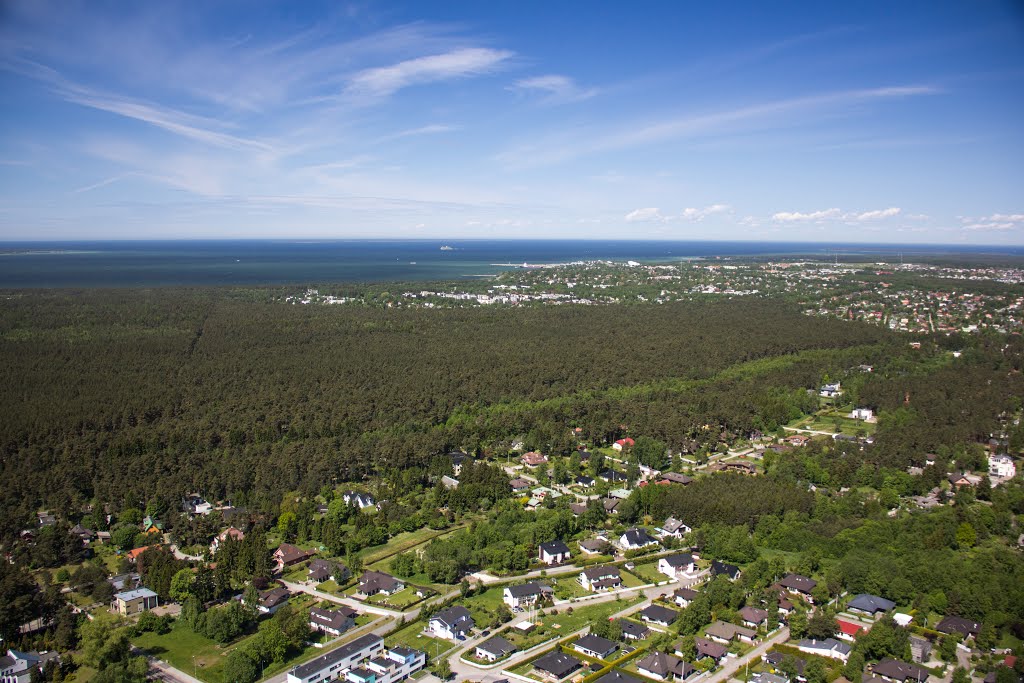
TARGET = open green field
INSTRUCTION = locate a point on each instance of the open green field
(631, 580)
(404, 541)
(181, 646)
(567, 587)
(649, 573)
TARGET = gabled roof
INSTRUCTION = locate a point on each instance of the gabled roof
(754, 615)
(274, 597)
(871, 603)
(849, 628)
(679, 560)
(730, 570)
(290, 553)
(672, 525)
(636, 536)
(457, 615)
(727, 631)
(556, 547)
(594, 544)
(633, 629)
(658, 663)
(676, 478)
(598, 573)
(524, 590)
(335, 619)
(828, 644)
(616, 676)
(685, 593)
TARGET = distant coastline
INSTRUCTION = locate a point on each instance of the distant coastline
(158, 263)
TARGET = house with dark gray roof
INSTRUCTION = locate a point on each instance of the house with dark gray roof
(658, 615)
(374, 583)
(965, 627)
(636, 538)
(451, 624)
(664, 667)
(798, 584)
(684, 596)
(595, 646)
(602, 578)
(870, 604)
(616, 676)
(334, 621)
(829, 647)
(706, 648)
(731, 571)
(556, 665)
(632, 630)
(894, 670)
(494, 649)
(523, 594)
(553, 552)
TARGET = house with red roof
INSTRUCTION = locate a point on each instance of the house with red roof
(623, 443)
(848, 630)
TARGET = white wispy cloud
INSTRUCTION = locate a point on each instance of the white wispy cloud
(796, 216)
(689, 214)
(555, 88)
(646, 215)
(432, 129)
(386, 80)
(569, 144)
(874, 215)
(997, 222)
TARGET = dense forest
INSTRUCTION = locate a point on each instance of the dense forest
(123, 396)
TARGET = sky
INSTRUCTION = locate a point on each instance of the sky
(797, 121)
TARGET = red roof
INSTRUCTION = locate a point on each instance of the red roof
(848, 628)
(626, 442)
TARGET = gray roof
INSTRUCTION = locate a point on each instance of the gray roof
(680, 560)
(556, 547)
(901, 671)
(596, 573)
(798, 582)
(334, 656)
(638, 537)
(871, 603)
(659, 614)
(730, 570)
(456, 615)
(708, 648)
(335, 619)
(617, 677)
(633, 629)
(964, 627)
(524, 590)
(594, 643)
(558, 664)
(497, 646)
(827, 644)
(135, 594)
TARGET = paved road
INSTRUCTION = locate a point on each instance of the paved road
(162, 671)
(734, 665)
(354, 604)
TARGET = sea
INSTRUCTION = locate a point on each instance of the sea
(286, 262)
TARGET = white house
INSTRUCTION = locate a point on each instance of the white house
(831, 390)
(363, 659)
(1002, 466)
(635, 538)
(553, 552)
(865, 414)
(600, 578)
(494, 649)
(17, 667)
(360, 500)
(830, 647)
(451, 624)
(672, 527)
(522, 595)
(674, 566)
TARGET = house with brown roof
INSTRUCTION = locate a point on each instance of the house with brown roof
(534, 459)
(287, 554)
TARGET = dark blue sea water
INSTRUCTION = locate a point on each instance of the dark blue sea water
(267, 262)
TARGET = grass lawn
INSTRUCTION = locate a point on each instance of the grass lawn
(178, 648)
(630, 580)
(649, 572)
(400, 600)
(569, 587)
(412, 636)
(401, 543)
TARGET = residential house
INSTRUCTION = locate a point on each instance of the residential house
(287, 555)
(152, 525)
(964, 627)
(774, 659)
(829, 647)
(800, 585)
(18, 667)
(230, 532)
(664, 667)
(1002, 466)
(556, 665)
(674, 566)
(593, 546)
(797, 440)
(324, 570)
(333, 621)
(85, 535)
(831, 390)
(684, 596)
(766, 677)
(359, 500)
(534, 459)
(449, 482)
(676, 478)
(960, 480)
(870, 604)
(632, 630)
(271, 600)
(613, 476)
(621, 494)
(451, 624)
(134, 554)
(731, 571)
(578, 509)
(920, 649)
(616, 676)
(459, 459)
(848, 630)
(623, 444)
(611, 505)
(865, 414)
(672, 528)
(522, 595)
(494, 649)
(520, 485)
(134, 601)
(894, 670)
(724, 632)
(595, 646)
(585, 481)
(45, 518)
(603, 578)
(753, 617)
(658, 615)
(553, 552)
(194, 504)
(634, 539)
(376, 583)
(707, 648)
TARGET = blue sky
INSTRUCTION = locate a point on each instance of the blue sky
(867, 122)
